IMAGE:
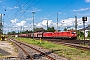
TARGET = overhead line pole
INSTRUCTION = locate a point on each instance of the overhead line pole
(33, 24)
(57, 21)
(76, 24)
(47, 24)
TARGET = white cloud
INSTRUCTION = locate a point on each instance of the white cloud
(15, 7)
(11, 8)
(82, 9)
(22, 23)
(83, 14)
(87, 1)
(35, 10)
(14, 21)
(69, 22)
(44, 23)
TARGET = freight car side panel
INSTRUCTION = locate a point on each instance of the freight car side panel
(29, 35)
(48, 34)
(40, 34)
(35, 34)
(23, 35)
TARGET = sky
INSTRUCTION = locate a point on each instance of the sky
(17, 14)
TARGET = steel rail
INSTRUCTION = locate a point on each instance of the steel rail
(37, 50)
(71, 43)
(28, 56)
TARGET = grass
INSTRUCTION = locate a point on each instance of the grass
(68, 52)
(0, 54)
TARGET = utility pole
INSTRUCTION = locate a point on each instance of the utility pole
(33, 24)
(1, 26)
(47, 24)
(57, 21)
(76, 23)
(21, 30)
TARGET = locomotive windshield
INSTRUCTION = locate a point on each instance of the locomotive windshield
(73, 32)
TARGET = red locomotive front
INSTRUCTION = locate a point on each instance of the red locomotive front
(65, 34)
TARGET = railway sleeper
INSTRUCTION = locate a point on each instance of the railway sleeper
(28, 57)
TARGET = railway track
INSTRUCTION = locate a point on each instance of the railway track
(84, 42)
(31, 53)
(44, 56)
(80, 44)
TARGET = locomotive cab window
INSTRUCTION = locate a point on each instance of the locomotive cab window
(73, 32)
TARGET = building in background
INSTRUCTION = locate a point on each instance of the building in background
(86, 30)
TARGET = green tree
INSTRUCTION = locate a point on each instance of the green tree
(65, 29)
(50, 29)
(36, 29)
(12, 33)
(88, 25)
(39, 29)
(25, 32)
(9, 33)
(80, 34)
(89, 34)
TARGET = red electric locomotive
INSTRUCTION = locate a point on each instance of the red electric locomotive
(65, 34)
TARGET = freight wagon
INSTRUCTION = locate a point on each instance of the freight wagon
(65, 34)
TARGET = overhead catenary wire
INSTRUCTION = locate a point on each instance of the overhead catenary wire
(29, 7)
(12, 10)
(63, 9)
(2, 8)
(15, 14)
(68, 5)
(3, 14)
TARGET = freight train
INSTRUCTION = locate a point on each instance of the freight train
(62, 35)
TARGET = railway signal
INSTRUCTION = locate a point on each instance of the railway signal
(84, 19)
